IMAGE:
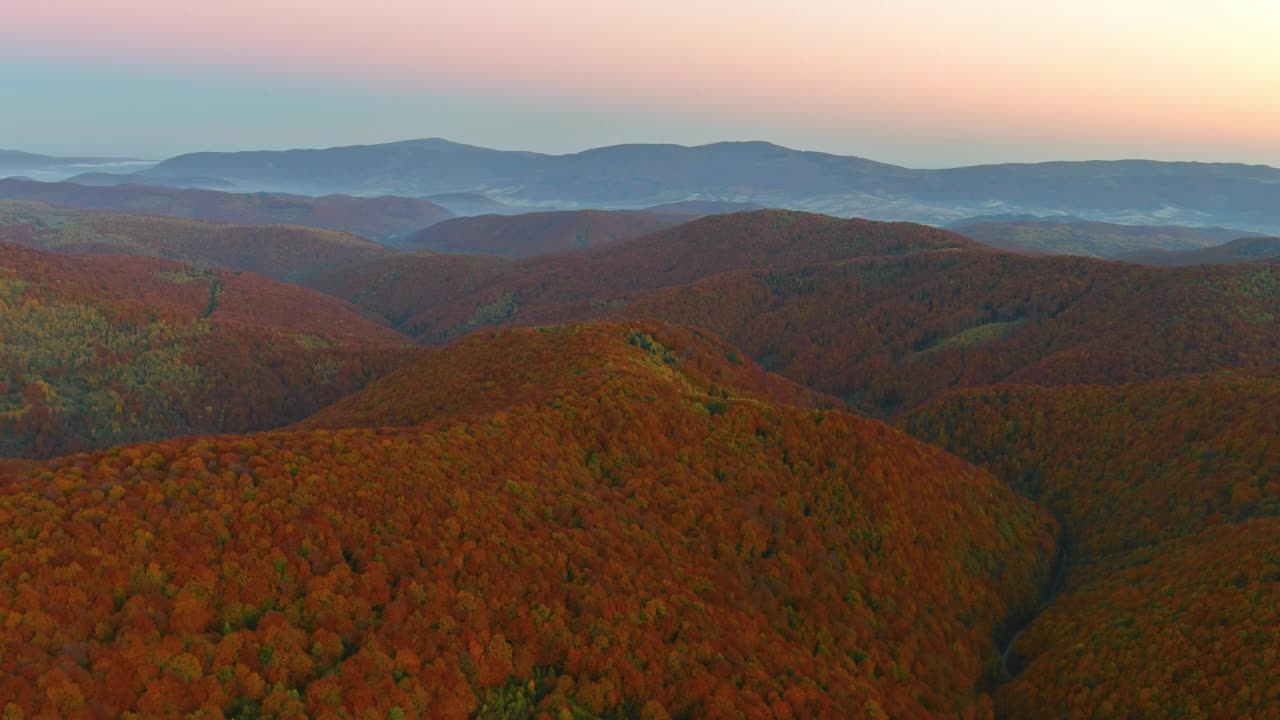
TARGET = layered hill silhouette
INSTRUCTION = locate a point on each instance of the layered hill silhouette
(1074, 236)
(540, 233)
(638, 176)
(282, 252)
(885, 316)
(1242, 250)
(377, 218)
(100, 351)
(48, 167)
(1169, 495)
(700, 208)
(104, 179)
(465, 204)
(636, 532)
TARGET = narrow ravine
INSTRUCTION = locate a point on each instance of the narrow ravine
(1057, 580)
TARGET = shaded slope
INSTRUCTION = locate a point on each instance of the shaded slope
(109, 350)
(377, 218)
(884, 316)
(633, 546)
(1243, 250)
(279, 251)
(539, 233)
(1169, 495)
(1073, 236)
(596, 278)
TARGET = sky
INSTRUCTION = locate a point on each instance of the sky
(923, 83)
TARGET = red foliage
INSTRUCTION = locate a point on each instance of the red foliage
(108, 350)
(885, 316)
(651, 535)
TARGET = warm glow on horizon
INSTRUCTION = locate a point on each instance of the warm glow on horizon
(933, 82)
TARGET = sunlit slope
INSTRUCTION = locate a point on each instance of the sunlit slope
(638, 545)
(94, 352)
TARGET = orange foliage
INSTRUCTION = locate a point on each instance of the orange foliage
(1169, 494)
(109, 350)
(633, 542)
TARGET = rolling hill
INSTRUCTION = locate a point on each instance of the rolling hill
(635, 532)
(104, 350)
(639, 176)
(378, 218)
(540, 233)
(282, 252)
(1242, 250)
(885, 316)
(1074, 236)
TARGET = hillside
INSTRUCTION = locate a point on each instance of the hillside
(1073, 236)
(632, 542)
(1242, 250)
(537, 367)
(1169, 495)
(884, 316)
(278, 251)
(540, 233)
(639, 176)
(100, 351)
(378, 218)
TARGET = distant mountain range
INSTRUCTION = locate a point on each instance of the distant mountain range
(638, 176)
(1066, 235)
(471, 180)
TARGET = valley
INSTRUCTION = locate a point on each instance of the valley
(701, 459)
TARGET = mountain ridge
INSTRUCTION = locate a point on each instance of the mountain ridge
(633, 176)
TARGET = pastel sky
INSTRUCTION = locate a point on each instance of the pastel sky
(925, 83)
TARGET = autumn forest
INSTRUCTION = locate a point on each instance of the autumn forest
(650, 465)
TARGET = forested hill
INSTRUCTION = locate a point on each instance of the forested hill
(651, 538)
(101, 351)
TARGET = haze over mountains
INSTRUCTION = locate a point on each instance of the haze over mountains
(634, 176)
(927, 472)
(639, 176)
(46, 167)
(1066, 235)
